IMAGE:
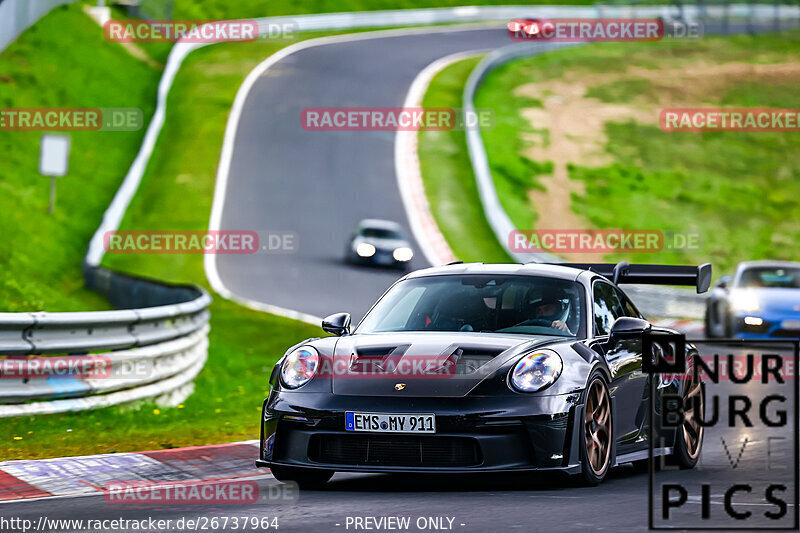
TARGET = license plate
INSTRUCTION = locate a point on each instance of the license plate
(389, 423)
(790, 324)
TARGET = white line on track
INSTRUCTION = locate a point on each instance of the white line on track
(409, 174)
(223, 172)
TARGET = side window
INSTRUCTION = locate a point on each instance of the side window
(627, 307)
(607, 307)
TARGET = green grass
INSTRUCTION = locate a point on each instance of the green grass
(604, 58)
(224, 9)
(623, 90)
(176, 194)
(450, 185)
(40, 254)
(737, 189)
(159, 52)
(514, 174)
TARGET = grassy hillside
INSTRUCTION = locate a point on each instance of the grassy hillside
(736, 189)
(40, 254)
(176, 193)
(449, 184)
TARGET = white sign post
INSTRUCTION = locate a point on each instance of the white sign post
(54, 161)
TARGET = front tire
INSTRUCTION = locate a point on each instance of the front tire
(710, 332)
(598, 436)
(689, 435)
(304, 477)
(729, 332)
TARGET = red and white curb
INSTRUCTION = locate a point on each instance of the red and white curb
(687, 326)
(89, 474)
(409, 174)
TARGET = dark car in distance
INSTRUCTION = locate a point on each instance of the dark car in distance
(470, 368)
(379, 243)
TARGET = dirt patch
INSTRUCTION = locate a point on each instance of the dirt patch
(571, 126)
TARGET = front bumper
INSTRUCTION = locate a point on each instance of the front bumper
(380, 259)
(474, 434)
(772, 327)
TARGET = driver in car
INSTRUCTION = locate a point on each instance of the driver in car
(550, 308)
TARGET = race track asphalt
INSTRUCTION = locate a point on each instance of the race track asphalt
(316, 184)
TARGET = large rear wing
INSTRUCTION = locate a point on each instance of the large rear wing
(692, 276)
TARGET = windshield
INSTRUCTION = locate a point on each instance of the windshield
(380, 233)
(480, 303)
(771, 277)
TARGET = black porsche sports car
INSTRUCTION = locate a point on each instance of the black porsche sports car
(480, 368)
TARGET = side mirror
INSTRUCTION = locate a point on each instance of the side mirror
(337, 324)
(723, 282)
(628, 326)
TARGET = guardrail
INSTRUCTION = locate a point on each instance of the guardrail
(496, 215)
(17, 15)
(154, 345)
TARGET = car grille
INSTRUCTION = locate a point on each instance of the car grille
(394, 450)
(786, 333)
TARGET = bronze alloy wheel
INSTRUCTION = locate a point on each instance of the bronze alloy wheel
(597, 427)
(692, 430)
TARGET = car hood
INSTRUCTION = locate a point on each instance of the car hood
(775, 300)
(439, 364)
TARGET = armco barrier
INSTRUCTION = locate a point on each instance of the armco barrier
(17, 15)
(156, 343)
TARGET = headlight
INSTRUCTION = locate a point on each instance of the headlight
(403, 254)
(365, 249)
(753, 321)
(514, 26)
(744, 301)
(299, 367)
(532, 29)
(536, 371)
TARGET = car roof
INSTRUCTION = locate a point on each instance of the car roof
(379, 224)
(768, 263)
(527, 269)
